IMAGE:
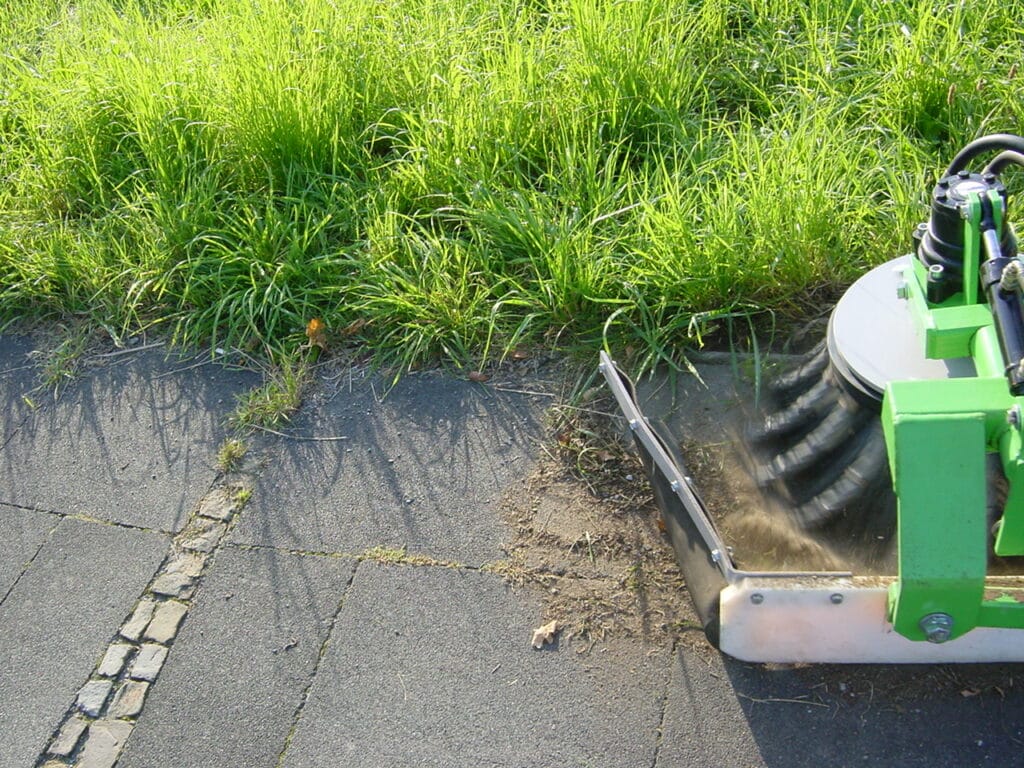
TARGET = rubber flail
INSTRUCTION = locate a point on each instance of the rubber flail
(820, 451)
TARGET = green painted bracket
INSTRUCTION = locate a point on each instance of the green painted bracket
(949, 328)
(1010, 529)
(937, 434)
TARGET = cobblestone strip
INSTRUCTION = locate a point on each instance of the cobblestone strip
(99, 722)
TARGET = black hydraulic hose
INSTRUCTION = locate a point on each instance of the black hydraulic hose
(1006, 307)
(992, 143)
(1002, 160)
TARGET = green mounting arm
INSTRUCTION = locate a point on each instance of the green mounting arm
(937, 433)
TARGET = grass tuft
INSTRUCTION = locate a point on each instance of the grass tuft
(276, 399)
(460, 178)
(229, 458)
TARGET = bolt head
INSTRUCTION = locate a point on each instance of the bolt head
(1013, 417)
(757, 598)
(836, 598)
(937, 627)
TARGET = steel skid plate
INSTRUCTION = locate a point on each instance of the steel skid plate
(784, 617)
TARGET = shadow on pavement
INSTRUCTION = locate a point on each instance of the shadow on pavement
(928, 715)
(424, 468)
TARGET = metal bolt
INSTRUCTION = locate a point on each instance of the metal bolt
(836, 599)
(1013, 417)
(601, 367)
(716, 556)
(757, 598)
(674, 485)
(633, 425)
(937, 627)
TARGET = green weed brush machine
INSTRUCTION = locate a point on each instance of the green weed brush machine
(906, 422)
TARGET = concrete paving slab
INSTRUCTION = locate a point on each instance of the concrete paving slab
(22, 532)
(704, 722)
(724, 712)
(425, 468)
(57, 621)
(238, 669)
(18, 377)
(131, 442)
(947, 726)
(433, 667)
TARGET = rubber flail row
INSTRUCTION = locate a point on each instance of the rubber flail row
(819, 450)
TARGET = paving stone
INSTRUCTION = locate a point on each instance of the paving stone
(187, 563)
(228, 693)
(58, 620)
(425, 468)
(164, 625)
(93, 696)
(218, 504)
(133, 628)
(433, 667)
(173, 585)
(148, 662)
(129, 699)
(113, 659)
(106, 739)
(203, 535)
(69, 736)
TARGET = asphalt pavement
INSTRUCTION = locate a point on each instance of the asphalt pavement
(330, 602)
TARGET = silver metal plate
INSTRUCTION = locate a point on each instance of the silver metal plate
(874, 334)
(839, 620)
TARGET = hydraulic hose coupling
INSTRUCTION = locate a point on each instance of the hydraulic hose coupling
(939, 243)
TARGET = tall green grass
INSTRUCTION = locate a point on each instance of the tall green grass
(458, 178)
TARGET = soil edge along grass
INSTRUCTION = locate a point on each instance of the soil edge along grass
(431, 178)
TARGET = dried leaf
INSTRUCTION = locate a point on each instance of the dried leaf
(969, 692)
(354, 327)
(545, 634)
(520, 354)
(316, 332)
(479, 377)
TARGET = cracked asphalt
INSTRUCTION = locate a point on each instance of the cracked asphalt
(142, 626)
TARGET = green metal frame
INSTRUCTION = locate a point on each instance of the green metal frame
(937, 434)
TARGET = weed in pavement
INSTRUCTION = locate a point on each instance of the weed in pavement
(230, 455)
